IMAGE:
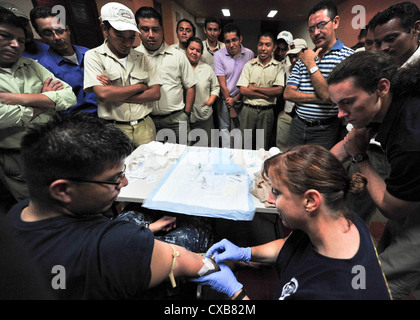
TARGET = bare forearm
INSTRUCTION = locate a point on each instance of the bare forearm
(117, 94)
(340, 152)
(268, 252)
(223, 86)
(270, 91)
(211, 100)
(27, 99)
(291, 94)
(390, 206)
(252, 94)
(150, 94)
(321, 87)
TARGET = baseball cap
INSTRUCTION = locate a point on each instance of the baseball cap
(17, 11)
(299, 45)
(286, 36)
(119, 16)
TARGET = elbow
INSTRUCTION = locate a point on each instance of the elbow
(155, 93)
(102, 95)
(287, 94)
(325, 99)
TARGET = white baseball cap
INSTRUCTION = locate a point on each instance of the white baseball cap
(286, 36)
(299, 44)
(119, 16)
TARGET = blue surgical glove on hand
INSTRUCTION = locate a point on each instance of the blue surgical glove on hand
(223, 281)
(226, 250)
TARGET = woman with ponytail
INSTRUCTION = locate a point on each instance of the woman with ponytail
(329, 253)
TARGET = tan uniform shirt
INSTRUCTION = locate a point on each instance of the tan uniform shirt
(207, 55)
(272, 74)
(206, 86)
(176, 74)
(139, 69)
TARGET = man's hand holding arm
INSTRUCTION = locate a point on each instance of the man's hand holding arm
(356, 142)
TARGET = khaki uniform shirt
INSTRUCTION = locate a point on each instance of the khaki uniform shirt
(206, 86)
(27, 76)
(207, 55)
(287, 66)
(272, 74)
(139, 69)
(176, 74)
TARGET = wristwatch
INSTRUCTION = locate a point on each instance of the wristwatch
(188, 113)
(313, 70)
(359, 158)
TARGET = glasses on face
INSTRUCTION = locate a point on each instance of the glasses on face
(118, 180)
(48, 33)
(319, 26)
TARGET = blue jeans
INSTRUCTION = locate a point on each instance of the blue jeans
(325, 135)
(224, 119)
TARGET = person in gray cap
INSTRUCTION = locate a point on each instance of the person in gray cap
(123, 79)
(285, 116)
(34, 49)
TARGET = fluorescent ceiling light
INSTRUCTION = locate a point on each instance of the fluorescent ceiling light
(272, 13)
(226, 12)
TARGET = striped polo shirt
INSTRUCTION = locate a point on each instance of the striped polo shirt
(301, 79)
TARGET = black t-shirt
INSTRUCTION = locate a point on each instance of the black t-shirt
(101, 258)
(305, 274)
(399, 135)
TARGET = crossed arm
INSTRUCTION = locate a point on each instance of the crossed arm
(261, 92)
(38, 101)
(356, 142)
(136, 93)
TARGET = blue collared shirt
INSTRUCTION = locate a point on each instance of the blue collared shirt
(41, 50)
(73, 74)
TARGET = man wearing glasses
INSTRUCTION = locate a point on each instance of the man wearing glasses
(29, 94)
(63, 58)
(62, 224)
(124, 80)
(316, 120)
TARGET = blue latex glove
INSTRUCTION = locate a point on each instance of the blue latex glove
(226, 250)
(223, 281)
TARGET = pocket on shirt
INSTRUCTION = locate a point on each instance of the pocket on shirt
(113, 76)
(139, 77)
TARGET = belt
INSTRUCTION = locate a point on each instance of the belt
(260, 107)
(130, 123)
(320, 122)
(166, 115)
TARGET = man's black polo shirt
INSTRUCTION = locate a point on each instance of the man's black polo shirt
(399, 135)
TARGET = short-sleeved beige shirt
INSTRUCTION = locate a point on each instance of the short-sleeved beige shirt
(139, 69)
(272, 74)
(176, 74)
(207, 55)
(206, 86)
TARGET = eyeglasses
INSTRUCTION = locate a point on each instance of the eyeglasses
(118, 180)
(48, 33)
(319, 26)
